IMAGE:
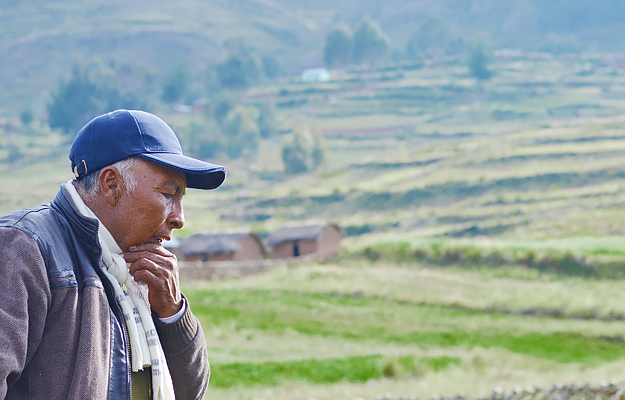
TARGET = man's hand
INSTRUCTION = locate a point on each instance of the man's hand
(158, 268)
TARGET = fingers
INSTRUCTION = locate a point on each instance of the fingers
(155, 248)
(154, 265)
(149, 260)
(153, 276)
(157, 261)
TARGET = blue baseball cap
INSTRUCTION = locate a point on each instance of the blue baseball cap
(121, 134)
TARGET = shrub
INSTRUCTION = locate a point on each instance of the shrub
(371, 254)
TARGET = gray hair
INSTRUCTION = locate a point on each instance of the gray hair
(88, 186)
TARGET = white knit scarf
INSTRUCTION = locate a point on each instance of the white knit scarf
(145, 345)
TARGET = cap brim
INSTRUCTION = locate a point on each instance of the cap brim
(200, 174)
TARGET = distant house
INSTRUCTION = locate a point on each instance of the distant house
(323, 239)
(315, 75)
(222, 246)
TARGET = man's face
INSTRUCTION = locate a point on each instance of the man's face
(151, 211)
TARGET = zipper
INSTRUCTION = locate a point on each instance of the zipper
(120, 318)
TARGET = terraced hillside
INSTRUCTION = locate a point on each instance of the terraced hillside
(536, 152)
(419, 151)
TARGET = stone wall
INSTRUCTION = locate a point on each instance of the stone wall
(216, 270)
(605, 391)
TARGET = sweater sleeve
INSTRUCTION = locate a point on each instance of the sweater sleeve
(24, 301)
(184, 346)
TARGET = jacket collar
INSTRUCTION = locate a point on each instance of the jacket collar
(86, 229)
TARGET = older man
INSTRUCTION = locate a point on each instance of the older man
(90, 304)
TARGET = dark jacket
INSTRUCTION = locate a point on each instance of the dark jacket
(61, 331)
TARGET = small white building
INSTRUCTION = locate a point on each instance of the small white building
(316, 75)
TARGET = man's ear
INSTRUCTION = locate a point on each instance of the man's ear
(110, 185)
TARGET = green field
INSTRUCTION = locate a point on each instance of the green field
(352, 328)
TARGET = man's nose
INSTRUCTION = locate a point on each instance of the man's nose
(176, 218)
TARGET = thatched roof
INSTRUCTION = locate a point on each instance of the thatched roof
(309, 231)
(213, 242)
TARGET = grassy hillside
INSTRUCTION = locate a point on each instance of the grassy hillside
(534, 153)
(39, 42)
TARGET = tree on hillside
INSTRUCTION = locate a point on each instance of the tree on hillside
(303, 152)
(241, 131)
(478, 61)
(294, 156)
(267, 122)
(124, 85)
(241, 69)
(370, 43)
(339, 47)
(221, 104)
(237, 46)
(238, 72)
(26, 115)
(177, 84)
(319, 150)
(229, 128)
(202, 138)
(74, 103)
(93, 90)
(430, 41)
(271, 67)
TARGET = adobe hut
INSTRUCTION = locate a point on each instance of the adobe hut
(222, 246)
(322, 239)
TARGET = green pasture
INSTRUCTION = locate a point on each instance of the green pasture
(355, 328)
(587, 246)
